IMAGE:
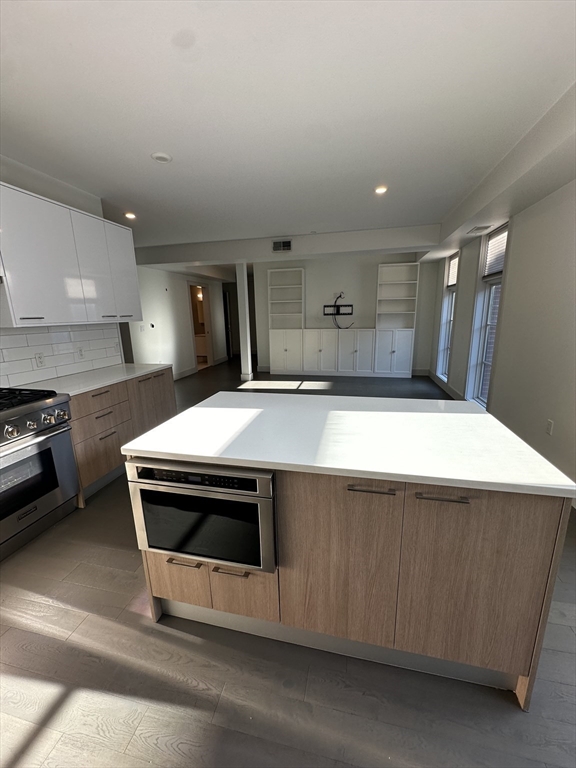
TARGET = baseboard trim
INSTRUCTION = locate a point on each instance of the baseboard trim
(97, 485)
(446, 387)
(263, 368)
(220, 360)
(183, 374)
(246, 376)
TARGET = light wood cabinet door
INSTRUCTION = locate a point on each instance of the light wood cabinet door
(101, 454)
(247, 593)
(101, 421)
(178, 578)
(473, 575)
(339, 550)
(141, 394)
(164, 396)
(97, 399)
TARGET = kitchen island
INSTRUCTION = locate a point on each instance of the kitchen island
(414, 532)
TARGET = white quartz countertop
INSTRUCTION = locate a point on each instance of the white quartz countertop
(438, 442)
(77, 383)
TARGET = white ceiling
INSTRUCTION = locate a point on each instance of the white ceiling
(281, 116)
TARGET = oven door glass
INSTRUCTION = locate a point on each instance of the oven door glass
(24, 482)
(213, 527)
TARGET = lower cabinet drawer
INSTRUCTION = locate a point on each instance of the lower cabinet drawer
(97, 399)
(248, 593)
(101, 421)
(101, 454)
(180, 579)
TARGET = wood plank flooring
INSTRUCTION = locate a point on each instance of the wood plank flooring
(87, 680)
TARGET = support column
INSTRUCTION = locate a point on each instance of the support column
(244, 321)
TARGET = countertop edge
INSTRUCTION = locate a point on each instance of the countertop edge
(535, 490)
(115, 377)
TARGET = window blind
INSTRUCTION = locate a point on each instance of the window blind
(495, 252)
(452, 271)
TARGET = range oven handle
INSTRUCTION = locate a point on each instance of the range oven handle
(23, 444)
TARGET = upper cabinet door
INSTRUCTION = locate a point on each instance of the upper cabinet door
(94, 264)
(365, 351)
(40, 262)
(124, 273)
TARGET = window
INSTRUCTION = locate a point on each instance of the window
(445, 339)
(489, 306)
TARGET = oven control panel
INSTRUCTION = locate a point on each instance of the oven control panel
(223, 482)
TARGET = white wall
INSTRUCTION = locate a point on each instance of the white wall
(534, 375)
(356, 275)
(165, 305)
(19, 175)
(424, 332)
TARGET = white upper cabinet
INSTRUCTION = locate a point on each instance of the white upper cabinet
(124, 273)
(63, 266)
(40, 264)
(94, 265)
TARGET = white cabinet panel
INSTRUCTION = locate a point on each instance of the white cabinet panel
(346, 351)
(364, 351)
(124, 273)
(329, 351)
(293, 350)
(403, 351)
(277, 353)
(92, 251)
(384, 342)
(40, 263)
(312, 344)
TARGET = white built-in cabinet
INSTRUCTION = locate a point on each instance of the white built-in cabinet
(356, 351)
(394, 351)
(286, 351)
(63, 266)
(320, 350)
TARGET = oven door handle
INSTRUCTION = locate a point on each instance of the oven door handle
(23, 444)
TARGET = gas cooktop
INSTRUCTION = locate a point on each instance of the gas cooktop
(12, 398)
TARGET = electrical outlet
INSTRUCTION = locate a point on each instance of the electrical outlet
(39, 357)
(80, 353)
(549, 427)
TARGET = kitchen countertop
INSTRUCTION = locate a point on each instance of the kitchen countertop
(440, 442)
(77, 383)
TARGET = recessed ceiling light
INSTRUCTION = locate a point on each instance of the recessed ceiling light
(130, 215)
(161, 157)
(380, 190)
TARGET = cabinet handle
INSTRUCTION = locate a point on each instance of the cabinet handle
(102, 415)
(217, 569)
(171, 561)
(459, 500)
(33, 318)
(109, 315)
(126, 315)
(359, 489)
(99, 394)
(141, 381)
(157, 375)
(106, 436)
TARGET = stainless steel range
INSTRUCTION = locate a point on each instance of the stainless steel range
(38, 475)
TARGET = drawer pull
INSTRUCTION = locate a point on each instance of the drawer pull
(359, 489)
(109, 315)
(217, 569)
(33, 318)
(459, 500)
(126, 315)
(171, 561)
(157, 375)
(141, 381)
(105, 436)
(102, 415)
(99, 394)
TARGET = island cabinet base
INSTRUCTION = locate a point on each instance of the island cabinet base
(453, 581)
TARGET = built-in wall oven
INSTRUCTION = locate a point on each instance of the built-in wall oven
(207, 513)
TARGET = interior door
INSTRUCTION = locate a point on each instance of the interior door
(346, 351)
(277, 353)
(403, 351)
(311, 350)
(384, 341)
(92, 250)
(39, 256)
(124, 272)
(329, 351)
(294, 350)
(365, 351)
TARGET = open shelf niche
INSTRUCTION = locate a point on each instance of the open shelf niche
(396, 298)
(286, 298)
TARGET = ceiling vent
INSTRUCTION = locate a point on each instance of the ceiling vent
(281, 245)
(479, 230)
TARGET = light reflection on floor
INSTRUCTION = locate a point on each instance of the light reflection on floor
(286, 385)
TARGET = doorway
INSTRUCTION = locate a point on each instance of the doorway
(200, 301)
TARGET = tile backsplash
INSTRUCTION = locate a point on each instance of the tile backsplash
(33, 354)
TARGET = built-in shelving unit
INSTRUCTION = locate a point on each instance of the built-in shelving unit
(397, 292)
(286, 298)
